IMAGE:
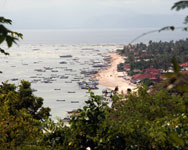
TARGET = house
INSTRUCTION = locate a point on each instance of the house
(126, 67)
(140, 76)
(149, 73)
(144, 51)
(152, 70)
(184, 66)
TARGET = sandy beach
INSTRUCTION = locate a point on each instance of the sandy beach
(111, 78)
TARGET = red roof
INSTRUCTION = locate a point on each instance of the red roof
(154, 73)
(153, 78)
(184, 65)
(141, 76)
(126, 67)
(152, 70)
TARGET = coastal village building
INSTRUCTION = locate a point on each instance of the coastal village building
(184, 66)
(126, 68)
(149, 73)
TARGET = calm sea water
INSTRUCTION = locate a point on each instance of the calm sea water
(40, 63)
(42, 49)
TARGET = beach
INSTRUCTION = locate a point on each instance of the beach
(111, 78)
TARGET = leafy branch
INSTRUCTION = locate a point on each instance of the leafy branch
(179, 6)
(8, 36)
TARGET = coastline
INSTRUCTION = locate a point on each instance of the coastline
(110, 77)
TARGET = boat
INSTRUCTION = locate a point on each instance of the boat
(39, 70)
(14, 79)
(48, 68)
(65, 56)
(57, 89)
(66, 119)
(63, 62)
(71, 92)
(54, 70)
(60, 100)
(74, 101)
(75, 80)
(88, 85)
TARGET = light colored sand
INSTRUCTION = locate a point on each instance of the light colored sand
(110, 78)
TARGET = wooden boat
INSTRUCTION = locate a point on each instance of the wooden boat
(71, 92)
(60, 100)
(74, 101)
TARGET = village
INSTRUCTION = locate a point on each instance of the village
(150, 74)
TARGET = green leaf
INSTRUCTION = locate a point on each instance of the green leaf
(9, 41)
(177, 140)
(186, 29)
(4, 20)
(2, 38)
(180, 5)
(168, 75)
(186, 20)
(176, 66)
(3, 51)
(183, 88)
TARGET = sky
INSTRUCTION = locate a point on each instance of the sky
(90, 14)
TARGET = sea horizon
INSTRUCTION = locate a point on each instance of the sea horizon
(98, 36)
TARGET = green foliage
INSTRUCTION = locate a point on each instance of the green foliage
(152, 121)
(176, 66)
(156, 54)
(24, 99)
(181, 5)
(56, 135)
(176, 82)
(143, 121)
(88, 122)
(7, 35)
(147, 82)
(21, 116)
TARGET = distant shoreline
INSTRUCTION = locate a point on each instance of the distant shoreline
(110, 77)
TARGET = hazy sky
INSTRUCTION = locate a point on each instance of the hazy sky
(81, 14)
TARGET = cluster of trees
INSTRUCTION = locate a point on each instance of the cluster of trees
(155, 54)
(145, 120)
(21, 115)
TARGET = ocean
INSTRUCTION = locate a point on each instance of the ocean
(38, 59)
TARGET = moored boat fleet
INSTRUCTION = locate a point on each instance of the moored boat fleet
(64, 75)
